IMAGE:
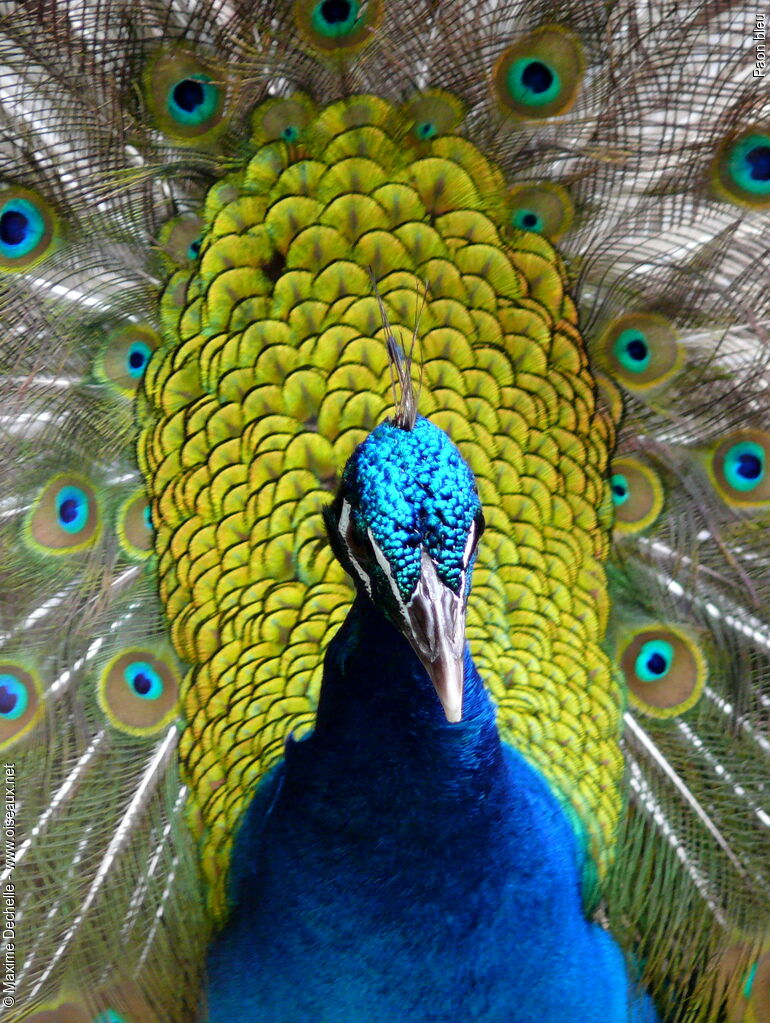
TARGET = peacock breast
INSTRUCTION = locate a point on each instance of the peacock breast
(420, 905)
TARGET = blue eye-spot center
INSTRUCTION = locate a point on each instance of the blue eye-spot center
(68, 510)
(654, 660)
(193, 249)
(758, 160)
(13, 697)
(656, 663)
(142, 683)
(744, 465)
(14, 226)
(22, 227)
(144, 680)
(72, 508)
(336, 12)
(138, 356)
(748, 162)
(532, 82)
(188, 94)
(637, 349)
(147, 515)
(193, 101)
(632, 351)
(426, 130)
(290, 133)
(537, 76)
(749, 466)
(109, 1016)
(527, 220)
(620, 489)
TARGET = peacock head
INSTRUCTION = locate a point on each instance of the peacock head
(405, 524)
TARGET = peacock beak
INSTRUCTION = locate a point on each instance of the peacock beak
(447, 675)
(435, 627)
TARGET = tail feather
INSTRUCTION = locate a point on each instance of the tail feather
(649, 166)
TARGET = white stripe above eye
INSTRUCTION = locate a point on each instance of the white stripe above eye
(470, 544)
(344, 526)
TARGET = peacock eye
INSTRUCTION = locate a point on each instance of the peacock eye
(481, 525)
(360, 547)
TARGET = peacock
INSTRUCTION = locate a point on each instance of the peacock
(384, 628)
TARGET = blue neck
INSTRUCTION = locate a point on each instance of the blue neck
(396, 866)
(379, 706)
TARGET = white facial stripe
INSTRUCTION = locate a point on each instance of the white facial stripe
(470, 544)
(344, 527)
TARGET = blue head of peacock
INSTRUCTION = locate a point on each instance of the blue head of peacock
(406, 524)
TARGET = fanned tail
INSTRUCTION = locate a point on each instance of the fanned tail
(126, 131)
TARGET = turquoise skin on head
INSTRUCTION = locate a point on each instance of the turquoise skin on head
(402, 863)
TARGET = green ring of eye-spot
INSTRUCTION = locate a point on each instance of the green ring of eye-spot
(64, 517)
(654, 660)
(432, 113)
(665, 669)
(757, 988)
(637, 495)
(632, 350)
(281, 118)
(193, 100)
(335, 19)
(543, 207)
(337, 28)
(124, 356)
(533, 82)
(539, 75)
(138, 691)
(528, 220)
(619, 488)
(743, 466)
(748, 162)
(21, 703)
(737, 467)
(29, 229)
(641, 351)
(22, 228)
(133, 525)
